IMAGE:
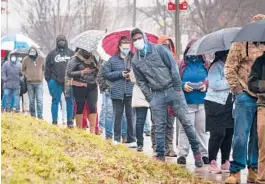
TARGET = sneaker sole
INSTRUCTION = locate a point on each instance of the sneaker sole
(215, 172)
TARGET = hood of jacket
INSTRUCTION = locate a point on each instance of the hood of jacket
(32, 47)
(61, 38)
(172, 46)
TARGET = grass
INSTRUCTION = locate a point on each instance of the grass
(36, 152)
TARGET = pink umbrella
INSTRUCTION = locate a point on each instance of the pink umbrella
(110, 41)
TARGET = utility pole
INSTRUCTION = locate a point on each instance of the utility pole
(177, 30)
(134, 13)
(6, 16)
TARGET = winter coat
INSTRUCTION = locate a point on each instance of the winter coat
(75, 67)
(56, 62)
(112, 71)
(256, 81)
(240, 60)
(138, 98)
(218, 89)
(33, 69)
(10, 74)
(157, 71)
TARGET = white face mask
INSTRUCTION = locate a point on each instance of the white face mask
(139, 44)
(13, 58)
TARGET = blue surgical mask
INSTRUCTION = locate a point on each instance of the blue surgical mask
(125, 51)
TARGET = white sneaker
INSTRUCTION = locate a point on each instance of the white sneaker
(132, 145)
(116, 142)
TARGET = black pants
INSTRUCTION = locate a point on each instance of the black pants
(83, 94)
(118, 108)
(141, 113)
(220, 139)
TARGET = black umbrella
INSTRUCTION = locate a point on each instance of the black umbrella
(254, 32)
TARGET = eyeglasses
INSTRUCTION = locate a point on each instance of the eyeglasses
(135, 39)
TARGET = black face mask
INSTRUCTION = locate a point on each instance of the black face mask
(86, 54)
(61, 44)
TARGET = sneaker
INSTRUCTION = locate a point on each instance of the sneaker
(161, 159)
(205, 160)
(213, 168)
(181, 160)
(108, 138)
(225, 166)
(147, 133)
(234, 178)
(198, 160)
(132, 145)
(54, 122)
(70, 124)
(140, 148)
(171, 153)
(116, 142)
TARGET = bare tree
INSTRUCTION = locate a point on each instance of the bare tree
(159, 14)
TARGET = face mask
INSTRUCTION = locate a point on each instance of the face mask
(13, 58)
(139, 44)
(32, 53)
(61, 44)
(125, 51)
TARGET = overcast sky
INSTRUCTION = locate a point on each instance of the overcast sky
(15, 19)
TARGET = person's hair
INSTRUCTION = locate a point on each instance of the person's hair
(122, 40)
(220, 55)
(136, 31)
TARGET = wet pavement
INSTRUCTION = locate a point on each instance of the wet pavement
(202, 172)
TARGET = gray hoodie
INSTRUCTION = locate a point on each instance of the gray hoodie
(10, 74)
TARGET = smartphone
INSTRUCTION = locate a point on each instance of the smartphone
(196, 86)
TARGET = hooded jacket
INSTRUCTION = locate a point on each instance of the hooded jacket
(10, 74)
(172, 46)
(240, 60)
(56, 62)
(256, 82)
(156, 71)
(33, 68)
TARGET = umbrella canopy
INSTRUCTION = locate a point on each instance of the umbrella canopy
(110, 41)
(216, 41)
(254, 31)
(11, 42)
(87, 40)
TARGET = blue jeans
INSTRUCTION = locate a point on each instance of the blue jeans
(245, 141)
(102, 115)
(56, 91)
(141, 113)
(35, 92)
(159, 104)
(11, 99)
(147, 126)
(108, 117)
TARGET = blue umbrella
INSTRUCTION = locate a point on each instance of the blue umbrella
(16, 41)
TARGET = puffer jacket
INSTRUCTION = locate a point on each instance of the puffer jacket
(256, 82)
(112, 71)
(138, 98)
(240, 60)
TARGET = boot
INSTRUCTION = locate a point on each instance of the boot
(92, 122)
(252, 175)
(79, 120)
(54, 122)
(234, 178)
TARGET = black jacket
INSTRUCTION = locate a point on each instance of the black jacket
(76, 65)
(56, 62)
(256, 82)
